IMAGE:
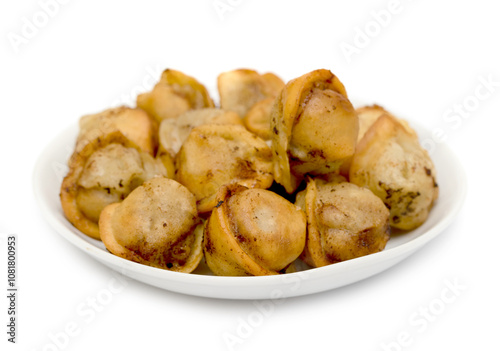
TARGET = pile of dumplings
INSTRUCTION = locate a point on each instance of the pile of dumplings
(277, 174)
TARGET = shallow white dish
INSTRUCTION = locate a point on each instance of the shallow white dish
(51, 168)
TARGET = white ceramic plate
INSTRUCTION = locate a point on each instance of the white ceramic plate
(51, 168)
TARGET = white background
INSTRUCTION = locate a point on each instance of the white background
(426, 58)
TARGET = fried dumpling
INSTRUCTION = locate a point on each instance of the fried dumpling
(105, 171)
(369, 114)
(133, 123)
(314, 128)
(173, 132)
(253, 232)
(241, 89)
(390, 161)
(215, 155)
(344, 221)
(173, 95)
(156, 225)
(258, 118)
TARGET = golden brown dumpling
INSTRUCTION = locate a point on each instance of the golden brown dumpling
(314, 128)
(174, 94)
(240, 89)
(344, 221)
(258, 118)
(105, 171)
(369, 114)
(390, 161)
(253, 232)
(173, 132)
(156, 225)
(214, 155)
(133, 123)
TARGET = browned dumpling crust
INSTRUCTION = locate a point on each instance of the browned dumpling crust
(240, 89)
(369, 114)
(253, 232)
(174, 131)
(173, 95)
(215, 155)
(156, 225)
(133, 123)
(344, 222)
(314, 128)
(105, 171)
(390, 161)
(258, 118)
